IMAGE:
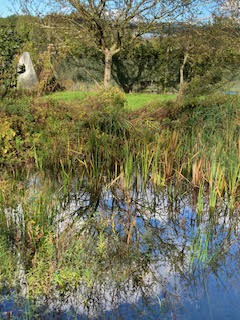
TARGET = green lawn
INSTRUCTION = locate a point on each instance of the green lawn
(134, 100)
(138, 100)
(69, 96)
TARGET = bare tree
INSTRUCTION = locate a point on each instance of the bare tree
(112, 24)
(231, 7)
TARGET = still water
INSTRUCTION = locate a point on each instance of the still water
(142, 254)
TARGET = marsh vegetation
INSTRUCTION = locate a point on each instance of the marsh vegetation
(120, 167)
(112, 212)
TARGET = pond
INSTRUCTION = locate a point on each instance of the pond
(232, 92)
(74, 250)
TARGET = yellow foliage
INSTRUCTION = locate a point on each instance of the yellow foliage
(112, 97)
(7, 135)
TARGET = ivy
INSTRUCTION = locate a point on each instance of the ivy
(10, 44)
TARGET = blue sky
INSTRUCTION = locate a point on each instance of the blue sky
(5, 8)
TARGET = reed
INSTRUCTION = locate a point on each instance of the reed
(144, 158)
(57, 163)
(195, 141)
(128, 168)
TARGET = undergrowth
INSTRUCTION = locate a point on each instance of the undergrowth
(182, 139)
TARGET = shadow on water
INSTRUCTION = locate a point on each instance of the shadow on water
(112, 253)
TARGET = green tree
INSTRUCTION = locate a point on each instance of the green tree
(136, 67)
(111, 25)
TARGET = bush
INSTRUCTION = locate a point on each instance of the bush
(112, 97)
(202, 85)
(7, 135)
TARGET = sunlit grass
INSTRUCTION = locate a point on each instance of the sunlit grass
(138, 100)
(134, 100)
(69, 96)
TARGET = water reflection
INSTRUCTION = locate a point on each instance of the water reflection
(113, 253)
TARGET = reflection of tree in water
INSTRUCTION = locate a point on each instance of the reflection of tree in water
(93, 251)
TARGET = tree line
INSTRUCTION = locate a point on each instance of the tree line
(137, 47)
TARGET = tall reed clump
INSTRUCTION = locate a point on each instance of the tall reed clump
(194, 140)
(105, 133)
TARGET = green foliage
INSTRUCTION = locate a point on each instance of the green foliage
(203, 85)
(151, 64)
(10, 43)
(40, 276)
(112, 97)
(8, 262)
(137, 66)
(6, 137)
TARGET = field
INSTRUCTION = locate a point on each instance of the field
(134, 100)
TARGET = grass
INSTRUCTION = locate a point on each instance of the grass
(137, 100)
(69, 96)
(134, 100)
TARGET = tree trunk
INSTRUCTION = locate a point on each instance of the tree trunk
(109, 53)
(166, 72)
(108, 68)
(182, 83)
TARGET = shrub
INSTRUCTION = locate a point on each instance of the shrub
(202, 85)
(7, 135)
(113, 97)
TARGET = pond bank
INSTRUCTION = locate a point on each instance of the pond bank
(98, 206)
(194, 140)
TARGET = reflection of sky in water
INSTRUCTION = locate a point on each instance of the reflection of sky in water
(209, 289)
(203, 286)
(211, 298)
